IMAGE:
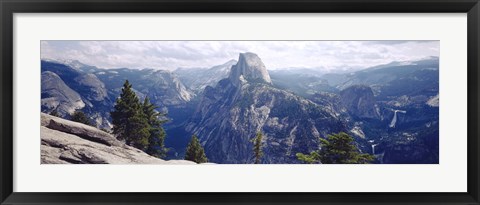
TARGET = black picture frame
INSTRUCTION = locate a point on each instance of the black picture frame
(10, 7)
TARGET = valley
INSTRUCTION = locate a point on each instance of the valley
(391, 110)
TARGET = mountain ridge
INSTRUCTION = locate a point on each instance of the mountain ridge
(293, 109)
(230, 114)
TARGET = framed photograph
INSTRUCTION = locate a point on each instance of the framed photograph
(241, 102)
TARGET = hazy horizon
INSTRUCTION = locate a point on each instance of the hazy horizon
(328, 56)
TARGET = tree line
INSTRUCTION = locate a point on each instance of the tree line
(140, 125)
(337, 148)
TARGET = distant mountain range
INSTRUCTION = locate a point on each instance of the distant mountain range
(197, 79)
(391, 110)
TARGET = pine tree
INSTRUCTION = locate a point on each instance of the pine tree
(129, 121)
(336, 149)
(156, 139)
(195, 151)
(79, 116)
(55, 113)
(257, 147)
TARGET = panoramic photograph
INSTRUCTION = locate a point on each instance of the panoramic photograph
(239, 102)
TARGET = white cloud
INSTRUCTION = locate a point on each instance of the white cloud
(275, 54)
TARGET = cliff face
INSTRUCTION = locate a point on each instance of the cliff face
(57, 95)
(360, 101)
(71, 85)
(67, 142)
(231, 113)
(249, 68)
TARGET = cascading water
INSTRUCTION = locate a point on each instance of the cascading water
(394, 120)
(373, 148)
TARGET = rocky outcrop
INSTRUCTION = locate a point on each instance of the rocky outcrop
(86, 84)
(360, 101)
(434, 101)
(98, 89)
(93, 87)
(56, 95)
(67, 142)
(164, 88)
(92, 92)
(231, 113)
(250, 68)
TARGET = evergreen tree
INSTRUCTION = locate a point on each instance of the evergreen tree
(257, 147)
(55, 113)
(79, 116)
(336, 149)
(156, 139)
(195, 151)
(129, 121)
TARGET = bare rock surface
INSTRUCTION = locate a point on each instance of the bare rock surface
(360, 101)
(67, 142)
(230, 114)
(249, 67)
(56, 95)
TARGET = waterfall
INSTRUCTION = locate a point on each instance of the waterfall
(373, 148)
(394, 120)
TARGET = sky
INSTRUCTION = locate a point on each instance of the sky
(170, 55)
